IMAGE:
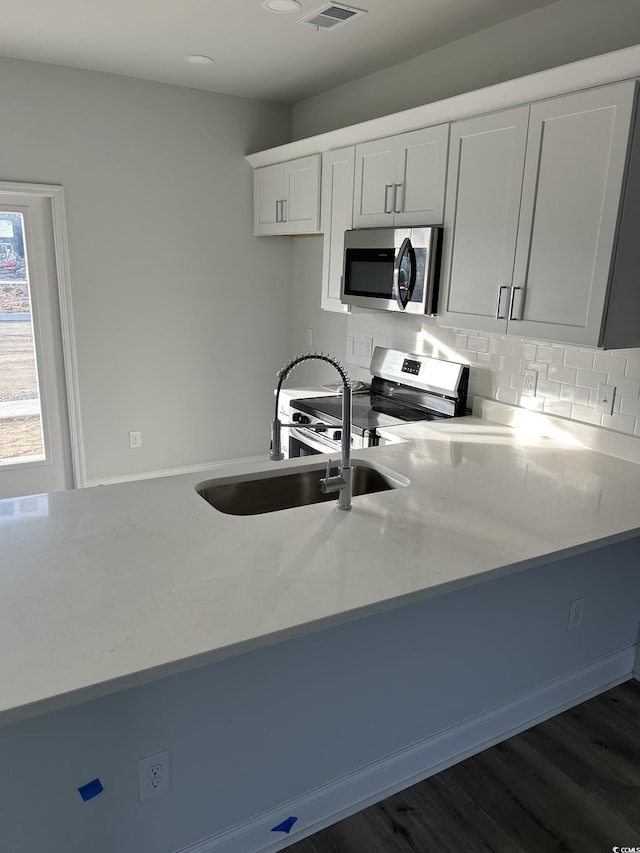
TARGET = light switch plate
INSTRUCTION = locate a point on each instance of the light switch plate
(606, 394)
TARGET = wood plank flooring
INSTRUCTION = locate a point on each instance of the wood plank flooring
(571, 784)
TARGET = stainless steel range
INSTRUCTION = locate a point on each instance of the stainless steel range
(405, 387)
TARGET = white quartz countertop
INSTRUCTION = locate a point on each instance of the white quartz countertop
(111, 586)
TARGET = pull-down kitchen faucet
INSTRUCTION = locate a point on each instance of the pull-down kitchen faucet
(342, 482)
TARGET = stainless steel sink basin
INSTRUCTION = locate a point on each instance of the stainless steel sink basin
(269, 492)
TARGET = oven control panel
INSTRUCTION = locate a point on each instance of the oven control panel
(411, 366)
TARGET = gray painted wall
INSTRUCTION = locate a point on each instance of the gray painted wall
(255, 731)
(174, 300)
(563, 32)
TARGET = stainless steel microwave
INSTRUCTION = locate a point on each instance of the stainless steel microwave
(392, 269)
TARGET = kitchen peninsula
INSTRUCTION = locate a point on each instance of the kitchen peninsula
(305, 662)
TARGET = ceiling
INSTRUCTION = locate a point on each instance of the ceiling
(258, 54)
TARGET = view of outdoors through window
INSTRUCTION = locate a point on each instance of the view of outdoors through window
(21, 438)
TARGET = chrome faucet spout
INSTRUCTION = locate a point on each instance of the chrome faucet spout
(341, 483)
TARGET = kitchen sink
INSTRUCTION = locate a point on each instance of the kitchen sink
(267, 492)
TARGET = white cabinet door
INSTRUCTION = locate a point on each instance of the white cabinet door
(568, 279)
(267, 194)
(484, 183)
(336, 217)
(400, 180)
(286, 197)
(301, 202)
(374, 183)
(576, 156)
(420, 176)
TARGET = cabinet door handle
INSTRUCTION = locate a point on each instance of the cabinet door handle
(284, 210)
(513, 294)
(396, 193)
(278, 211)
(500, 316)
(387, 207)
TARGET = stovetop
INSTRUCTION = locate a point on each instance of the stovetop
(370, 411)
(405, 388)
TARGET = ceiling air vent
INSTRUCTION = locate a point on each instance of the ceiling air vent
(330, 16)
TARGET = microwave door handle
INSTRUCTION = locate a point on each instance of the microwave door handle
(402, 300)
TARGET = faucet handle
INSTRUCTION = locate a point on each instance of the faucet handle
(328, 471)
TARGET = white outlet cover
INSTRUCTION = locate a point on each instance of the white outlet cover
(154, 775)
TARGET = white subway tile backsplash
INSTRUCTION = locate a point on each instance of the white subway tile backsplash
(591, 379)
(549, 389)
(633, 368)
(507, 395)
(558, 373)
(516, 381)
(625, 386)
(573, 394)
(554, 355)
(541, 369)
(606, 363)
(630, 406)
(578, 358)
(535, 404)
(586, 413)
(511, 365)
(568, 376)
(487, 359)
(517, 350)
(562, 408)
(621, 423)
(478, 344)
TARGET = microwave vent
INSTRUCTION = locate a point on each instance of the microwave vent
(330, 16)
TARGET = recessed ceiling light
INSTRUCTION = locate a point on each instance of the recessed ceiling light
(196, 59)
(281, 5)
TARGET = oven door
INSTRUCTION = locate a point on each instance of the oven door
(304, 442)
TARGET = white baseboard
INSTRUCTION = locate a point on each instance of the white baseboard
(169, 472)
(349, 794)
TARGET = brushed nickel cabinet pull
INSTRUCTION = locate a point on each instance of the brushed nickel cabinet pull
(387, 188)
(513, 294)
(500, 316)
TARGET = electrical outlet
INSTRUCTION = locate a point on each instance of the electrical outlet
(530, 383)
(367, 346)
(135, 439)
(154, 775)
(576, 613)
(604, 404)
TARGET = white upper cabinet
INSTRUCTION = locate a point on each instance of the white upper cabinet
(286, 197)
(481, 219)
(533, 204)
(400, 180)
(573, 181)
(336, 217)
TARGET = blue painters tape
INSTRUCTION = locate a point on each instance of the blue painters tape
(285, 826)
(91, 790)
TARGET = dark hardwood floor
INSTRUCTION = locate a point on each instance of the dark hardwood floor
(569, 784)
